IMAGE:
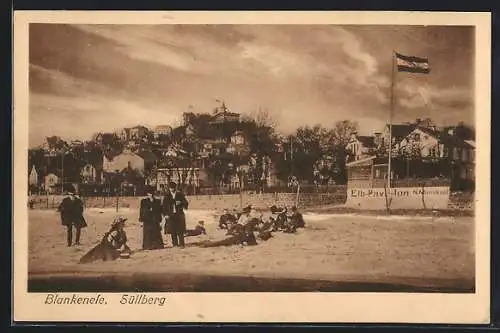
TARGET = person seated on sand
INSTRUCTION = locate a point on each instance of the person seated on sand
(289, 227)
(112, 246)
(296, 218)
(241, 223)
(197, 231)
(251, 220)
(279, 218)
(226, 219)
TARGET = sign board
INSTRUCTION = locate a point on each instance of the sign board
(398, 198)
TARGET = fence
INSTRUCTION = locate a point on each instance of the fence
(462, 201)
(209, 201)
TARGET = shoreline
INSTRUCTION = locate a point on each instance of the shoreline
(208, 282)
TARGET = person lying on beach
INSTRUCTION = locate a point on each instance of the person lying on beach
(240, 238)
(226, 220)
(197, 231)
(112, 246)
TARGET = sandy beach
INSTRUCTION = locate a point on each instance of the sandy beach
(343, 251)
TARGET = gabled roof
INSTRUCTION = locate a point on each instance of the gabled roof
(140, 127)
(31, 165)
(429, 131)
(400, 131)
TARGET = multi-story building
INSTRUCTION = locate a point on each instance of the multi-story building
(162, 130)
(360, 146)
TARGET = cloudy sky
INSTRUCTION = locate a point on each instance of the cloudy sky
(89, 78)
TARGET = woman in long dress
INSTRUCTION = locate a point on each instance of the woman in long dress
(150, 217)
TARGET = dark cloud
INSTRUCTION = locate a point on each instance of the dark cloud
(115, 75)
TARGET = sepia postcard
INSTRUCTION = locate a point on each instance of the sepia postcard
(298, 167)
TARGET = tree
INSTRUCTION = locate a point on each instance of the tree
(109, 143)
(306, 151)
(464, 132)
(313, 146)
(258, 130)
(200, 122)
(339, 137)
(55, 143)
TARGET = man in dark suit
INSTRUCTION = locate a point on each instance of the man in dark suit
(71, 210)
(174, 203)
(150, 216)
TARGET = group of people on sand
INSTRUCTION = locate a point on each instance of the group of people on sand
(152, 212)
(246, 227)
(242, 228)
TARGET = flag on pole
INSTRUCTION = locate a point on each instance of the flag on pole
(412, 64)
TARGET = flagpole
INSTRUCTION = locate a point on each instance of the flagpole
(391, 111)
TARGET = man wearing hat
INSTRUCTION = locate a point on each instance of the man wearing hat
(150, 216)
(71, 210)
(174, 203)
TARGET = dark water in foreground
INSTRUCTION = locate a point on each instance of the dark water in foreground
(208, 283)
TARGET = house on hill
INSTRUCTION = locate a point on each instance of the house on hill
(126, 159)
(51, 182)
(360, 146)
(399, 132)
(440, 154)
(138, 132)
(222, 115)
(33, 176)
(162, 130)
(134, 133)
(238, 145)
(90, 174)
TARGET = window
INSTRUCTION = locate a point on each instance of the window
(416, 137)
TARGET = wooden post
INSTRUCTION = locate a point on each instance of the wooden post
(241, 200)
(297, 196)
(391, 111)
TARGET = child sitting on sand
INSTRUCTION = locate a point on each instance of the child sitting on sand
(198, 230)
(112, 246)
